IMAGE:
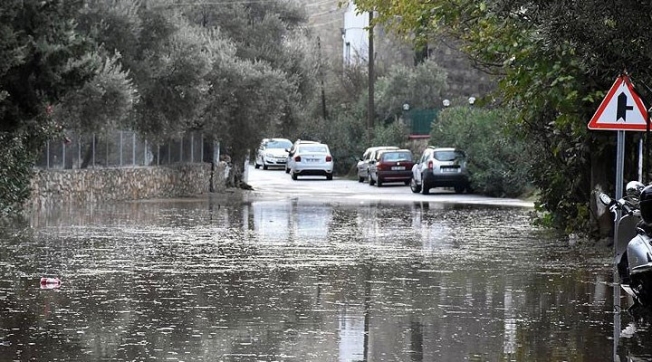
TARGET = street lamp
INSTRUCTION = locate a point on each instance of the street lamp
(471, 101)
(406, 108)
(446, 103)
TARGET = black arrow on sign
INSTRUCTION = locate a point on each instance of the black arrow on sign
(621, 110)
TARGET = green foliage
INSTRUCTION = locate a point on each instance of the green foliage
(342, 133)
(38, 44)
(553, 67)
(395, 133)
(100, 104)
(498, 162)
(16, 171)
(421, 87)
(40, 63)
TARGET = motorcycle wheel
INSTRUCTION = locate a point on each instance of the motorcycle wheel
(642, 286)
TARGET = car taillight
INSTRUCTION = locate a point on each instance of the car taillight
(430, 165)
(297, 158)
(329, 158)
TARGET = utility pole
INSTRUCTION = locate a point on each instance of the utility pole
(370, 111)
(321, 76)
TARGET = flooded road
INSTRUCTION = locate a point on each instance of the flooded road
(299, 279)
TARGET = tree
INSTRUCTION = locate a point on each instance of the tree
(262, 76)
(244, 101)
(41, 61)
(555, 60)
(421, 86)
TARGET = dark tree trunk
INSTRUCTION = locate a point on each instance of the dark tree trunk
(88, 155)
(235, 177)
(602, 220)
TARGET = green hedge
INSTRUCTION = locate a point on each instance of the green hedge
(498, 163)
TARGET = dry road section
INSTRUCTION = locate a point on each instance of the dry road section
(275, 183)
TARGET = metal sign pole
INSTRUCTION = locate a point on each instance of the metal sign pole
(620, 161)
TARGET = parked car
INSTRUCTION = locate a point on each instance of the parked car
(368, 155)
(292, 150)
(272, 152)
(440, 167)
(312, 159)
(391, 166)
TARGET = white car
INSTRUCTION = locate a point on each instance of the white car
(311, 159)
(292, 150)
(272, 153)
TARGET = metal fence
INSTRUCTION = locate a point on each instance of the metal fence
(420, 120)
(120, 149)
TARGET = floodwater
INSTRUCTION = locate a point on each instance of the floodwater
(291, 280)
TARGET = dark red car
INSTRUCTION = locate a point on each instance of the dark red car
(391, 166)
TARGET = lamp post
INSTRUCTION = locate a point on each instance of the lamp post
(406, 116)
(446, 103)
(471, 101)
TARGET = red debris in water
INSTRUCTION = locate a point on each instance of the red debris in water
(50, 283)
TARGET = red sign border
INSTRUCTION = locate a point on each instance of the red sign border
(593, 125)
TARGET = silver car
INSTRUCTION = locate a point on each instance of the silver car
(272, 153)
(440, 167)
(311, 159)
(368, 155)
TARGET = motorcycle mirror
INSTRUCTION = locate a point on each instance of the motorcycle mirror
(605, 199)
(634, 188)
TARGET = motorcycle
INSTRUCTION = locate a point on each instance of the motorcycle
(633, 245)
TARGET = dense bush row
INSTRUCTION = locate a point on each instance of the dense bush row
(498, 162)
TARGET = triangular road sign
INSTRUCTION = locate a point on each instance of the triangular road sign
(621, 110)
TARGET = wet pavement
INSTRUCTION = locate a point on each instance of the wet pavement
(298, 279)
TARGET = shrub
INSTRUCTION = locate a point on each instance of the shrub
(498, 163)
(15, 174)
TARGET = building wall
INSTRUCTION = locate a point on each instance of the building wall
(335, 25)
(326, 21)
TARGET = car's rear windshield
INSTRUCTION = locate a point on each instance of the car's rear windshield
(397, 156)
(278, 144)
(313, 148)
(449, 155)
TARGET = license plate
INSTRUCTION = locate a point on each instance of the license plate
(447, 170)
(312, 160)
(398, 168)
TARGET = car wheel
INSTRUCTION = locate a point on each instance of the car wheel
(360, 179)
(265, 167)
(414, 186)
(425, 189)
(329, 177)
(406, 182)
(459, 189)
(379, 183)
(256, 165)
(287, 170)
(370, 180)
(294, 176)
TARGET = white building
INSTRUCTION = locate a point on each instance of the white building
(355, 36)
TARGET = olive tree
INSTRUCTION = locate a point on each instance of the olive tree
(41, 62)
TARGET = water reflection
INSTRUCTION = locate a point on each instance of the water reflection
(293, 280)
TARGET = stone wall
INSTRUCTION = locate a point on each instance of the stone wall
(53, 187)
